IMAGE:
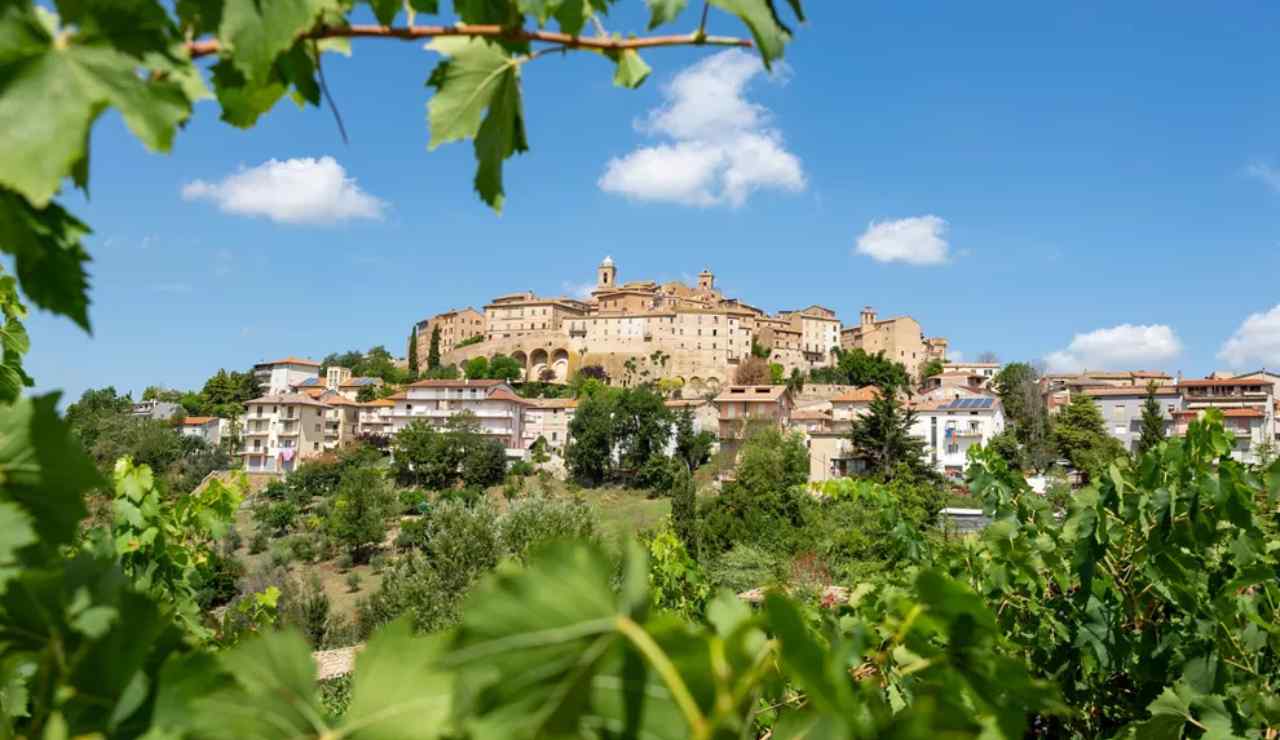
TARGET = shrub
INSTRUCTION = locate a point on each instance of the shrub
(275, 490)
(413, 533)
(413, 587)
(281, 556)
(533, 522)
(303, 547)
(275, 517)
(344, 562)
(411, 500)
(233, 541)
(360, 510)
(520, 469)
(353, 581)
(743, 568)
(657, 473)
(258, 543)
(377, 563)
(217, 581)
(484, 463)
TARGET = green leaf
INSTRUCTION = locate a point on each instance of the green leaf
(17, 530)
(664, 11)
(386, 10)
(256, 33)
(272, 692)
(398, 690)
(570, 15)
(243, 101)
(51, 93)
(631, 70)
(476, 77)
(47, 254)
(43, 469)
(770, 35)
(496, 12)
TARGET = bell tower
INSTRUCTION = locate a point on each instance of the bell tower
(706, 280)
(606, 274)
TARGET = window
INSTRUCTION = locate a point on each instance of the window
(317, 427)
(1118, 410)
(953, 448)
(315, 445)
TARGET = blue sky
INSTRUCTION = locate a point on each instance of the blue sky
(1066, 170)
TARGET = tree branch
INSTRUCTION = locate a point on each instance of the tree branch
(205, 47)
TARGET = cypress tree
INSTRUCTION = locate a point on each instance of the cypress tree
(1152, 421)
(433, 352)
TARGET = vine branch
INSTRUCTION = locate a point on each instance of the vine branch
(205, 47)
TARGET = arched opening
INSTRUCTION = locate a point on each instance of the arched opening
(537, 363)
(695, 387)
(560, 364)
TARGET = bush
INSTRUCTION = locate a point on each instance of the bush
(743, 568)
(258, 543)
(464, 496)
(657, 473)
(520, 469)
(232, 541)
(281, 555)
(275, 490)
(354, 580)
(412, 501)
(275, 517)
(360, 510)
(304, 547)
(413, 533)
(377, 564)
(218, 581)
(344, 562)
(413, 587)
(484, 463)
(533, 522)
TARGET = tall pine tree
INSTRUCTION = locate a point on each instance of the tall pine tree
(1152, 421)
(413, 352)
(883, 438)
(433, 352)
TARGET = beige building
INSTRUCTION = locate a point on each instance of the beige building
(548, 418)
(282, 376)
(456, 325)
(282, 430)
(899, 338)
(741, 408)
(691, 335)
(493, 403)
(375, 417)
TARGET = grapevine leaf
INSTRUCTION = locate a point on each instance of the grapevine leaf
(386, 10)
(198, 17)
(770, 34)
(51, 93)
(43, 468)
(795, 8)
(14, 341)
(529, 653)
(47, 255)
(242, 101)
(256, 33)
(571, 15)
(398, 691)
(475, 77)
(272, 692)
(495, 12)
(631, 70)
(135, 27)
(664, 11)
(17, 530)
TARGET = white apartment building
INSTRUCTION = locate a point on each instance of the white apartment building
(375, 417)
(211, 429)
(281, 430)
(283, 376)
(985, 371)
(950, 428)
(494, 403)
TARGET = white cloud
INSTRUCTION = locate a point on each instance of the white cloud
(1266, 173)
(920, 240)
(581, 291)
(295, 191)
(722, 146)
(1123, 347)
(1256, 341)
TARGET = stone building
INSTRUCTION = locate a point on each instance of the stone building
(691, 336)
(899, 338)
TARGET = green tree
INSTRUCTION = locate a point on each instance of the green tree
(358, 519)
(1018, 385)
(424, 457)
(445, 372)
(882, 438)
(641, 427)
(684, 509)
(693, 448)
(413, 352)
(484, 462)
(505, 368)
(589, 454)
(1082, 438)
(777, 374)
(476, 368)
(367, 393)
(1006, 445)
(433, 350)
(858, 367)
(1152, 421)
(931, 368)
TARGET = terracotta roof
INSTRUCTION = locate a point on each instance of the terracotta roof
(762, 393)
(807, 415)
(314, 392)
(1130, 390)
(292, 361)
(401, 396)
(1210, 382)
(502, 394)
(865, 394)
(1243, 413)
(380, 402)
(340, 400)
(555, 403)
(288, 399)
(360, 382)
(197, 421)
(456, 383)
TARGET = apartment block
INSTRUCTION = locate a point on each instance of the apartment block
(1121, 409)
(1248, 405)
(210, 429)
(279, 377)
(494, 404)
(949, 428)
(281, 430)
(742, 408)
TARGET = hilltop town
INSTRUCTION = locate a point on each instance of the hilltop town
(692, 335)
